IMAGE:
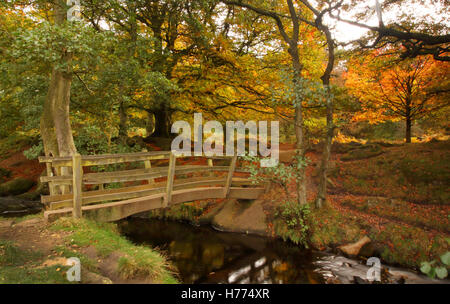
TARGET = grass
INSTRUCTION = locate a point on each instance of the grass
(135, 261)
(329, 228)
(19, 266)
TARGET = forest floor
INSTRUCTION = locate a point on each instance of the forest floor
(395, 194)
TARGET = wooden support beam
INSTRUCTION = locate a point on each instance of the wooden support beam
(230, 176)
(148, 165)
(170, 177)
(210, 164)
(77, 185)
(51, 186)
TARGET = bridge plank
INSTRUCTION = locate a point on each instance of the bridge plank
(90, 197)
(118, 210)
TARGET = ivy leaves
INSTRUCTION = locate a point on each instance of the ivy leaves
(437, 269)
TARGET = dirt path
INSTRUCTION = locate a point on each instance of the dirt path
(32, 235)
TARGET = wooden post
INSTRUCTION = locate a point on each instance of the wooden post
(77, 185)
(170, 177)
(230, 176)
(210, 164)
(51, 186)
(148, 165)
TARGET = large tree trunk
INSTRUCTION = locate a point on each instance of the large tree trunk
(61, 101)
(47, 125)
(55, 122)
(161, 123)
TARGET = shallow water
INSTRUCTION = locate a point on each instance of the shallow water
(204, 255)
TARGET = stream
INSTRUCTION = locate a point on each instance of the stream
(204, 255)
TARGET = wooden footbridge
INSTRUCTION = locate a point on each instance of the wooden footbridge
(110, 187)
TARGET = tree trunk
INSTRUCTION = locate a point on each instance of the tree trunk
(123, 119)
(47, 125)
(161, 123)
(408, 130)
(322, 189)
(150, 124)
(300, 151)
(61, 101)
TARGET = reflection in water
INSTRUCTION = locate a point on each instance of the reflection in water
(203, 255)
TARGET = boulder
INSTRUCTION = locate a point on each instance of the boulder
(353, 249)
(242, 217)
(14, 205)
(16, 186)
(4, 174)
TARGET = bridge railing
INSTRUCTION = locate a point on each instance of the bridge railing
(71, 187)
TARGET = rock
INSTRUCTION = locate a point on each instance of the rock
(358, 280)
(4, 174)
(372, 249)
(88, 277)
(334, 268)
(16, 186)
(242, 217)
(353, 250)
(14, 205)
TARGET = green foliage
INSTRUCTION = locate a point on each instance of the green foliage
(292, 222)
(34, 151)
(437, 268)
(281, 174)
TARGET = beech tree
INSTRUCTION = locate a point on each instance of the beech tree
(408, 90)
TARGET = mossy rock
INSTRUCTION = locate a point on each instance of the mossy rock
(16, 186)
(4, 174)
